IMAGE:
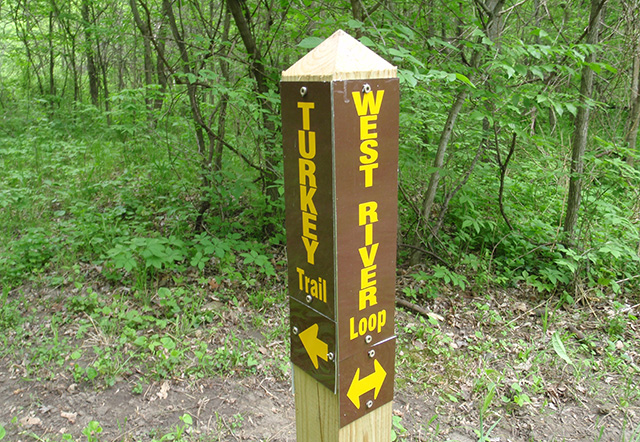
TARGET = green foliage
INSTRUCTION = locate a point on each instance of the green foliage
(150, 253)
(482, 433)
(208, 248)
(129, 192)
(120, 185)
(397, 429)
(92, 430)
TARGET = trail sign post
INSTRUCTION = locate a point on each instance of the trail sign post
(340, 141)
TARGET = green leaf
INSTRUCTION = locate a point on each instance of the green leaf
(595, 67)
(367, 42)
(92, 373)
(451, 397)
(168, 343)
(310, 42)
(521, 69)
(187, 419)
(539, 32)
(407, 77)
(3, 432)
(558, 347)
(571, 108)
(488, 398)
(537, 72)
(487, 41)
(508, 69)
(568, 263)
(207, 74)
(558, 108)
(156, 249)
(464, 79)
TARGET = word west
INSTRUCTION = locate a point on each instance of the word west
(367, 295)
(307, 181)
(368, 108)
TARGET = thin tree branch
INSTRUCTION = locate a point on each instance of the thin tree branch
(503, 173)
(416, 308)
(450, 195)
(427, 252)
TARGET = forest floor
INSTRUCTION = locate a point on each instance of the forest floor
(504, 365)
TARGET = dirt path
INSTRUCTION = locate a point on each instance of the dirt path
(221, 409)
(259, 409)
(445, 368)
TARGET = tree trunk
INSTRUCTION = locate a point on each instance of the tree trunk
(105, 80)
(22, 31)
(52, 83)
(160, 68)
(440, 153)
(358, 14)
(632, 123)
(224, 100)
(257, 71)
(492, 28)
(631, 137)
(186, 68)
(146, 44)
(90, 54)
(70, 47)
(581, 127)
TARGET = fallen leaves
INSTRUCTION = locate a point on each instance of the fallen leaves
(30, 421)
(71, 417)
(164, 390)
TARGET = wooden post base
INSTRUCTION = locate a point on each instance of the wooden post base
(318, 415)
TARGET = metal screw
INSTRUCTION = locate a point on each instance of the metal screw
(295, 330)
(368, 339)
(303, 91)
(330, 356)
(371, 353)
(309, 298)
(366, 88)
(369, 403)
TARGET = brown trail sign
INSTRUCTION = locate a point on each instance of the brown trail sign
(340, 140)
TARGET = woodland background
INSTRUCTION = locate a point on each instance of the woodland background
(142, 245)
(145, 136)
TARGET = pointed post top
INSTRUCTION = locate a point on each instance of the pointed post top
(340, 57)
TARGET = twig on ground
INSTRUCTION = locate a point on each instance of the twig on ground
(416, 308)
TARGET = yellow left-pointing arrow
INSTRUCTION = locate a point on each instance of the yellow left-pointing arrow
(314, 346)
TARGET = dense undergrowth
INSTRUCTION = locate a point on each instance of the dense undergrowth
(104, 276)
(124, 198)
(116, 221)
(75, 191)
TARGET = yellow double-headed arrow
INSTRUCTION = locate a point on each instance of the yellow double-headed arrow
(372, 382)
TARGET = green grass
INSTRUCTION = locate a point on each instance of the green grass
(103, 278)
(511, 361)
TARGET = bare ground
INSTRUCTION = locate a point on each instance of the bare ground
(438, 393)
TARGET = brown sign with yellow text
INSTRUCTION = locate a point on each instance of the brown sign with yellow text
(340, 144)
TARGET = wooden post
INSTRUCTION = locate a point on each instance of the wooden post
(340, 141)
